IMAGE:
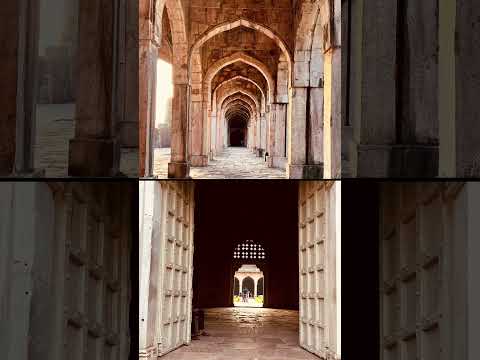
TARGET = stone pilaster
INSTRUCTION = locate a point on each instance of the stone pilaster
(298, 168)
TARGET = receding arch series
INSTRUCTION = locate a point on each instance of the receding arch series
(295, 83)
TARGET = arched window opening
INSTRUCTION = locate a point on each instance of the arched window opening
(249, 250)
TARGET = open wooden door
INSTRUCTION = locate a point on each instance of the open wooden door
(319, 251)
(176, 263)
(166, 266)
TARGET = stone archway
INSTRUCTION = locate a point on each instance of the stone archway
(201, 110)
(237, 131)
(248, 284)
(260, 287)
(150, 32)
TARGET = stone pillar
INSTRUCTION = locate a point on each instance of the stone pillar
(218, 142)
(240, 281)
(255, 281)
(128, 87)
(373, 96)
(225, 132)
(255, 134)
(331, 112)
(213, 130)
(299, 166)
(207, 138)
(178, 167)
(92, 149)
(279, 159)
(147, 55)
(259, 132)
(18, 98)
(272, 125)
(263, 131)
(446, 87)
(465, 103)
(197, 134)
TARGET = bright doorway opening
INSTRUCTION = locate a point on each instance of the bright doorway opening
(248, 289)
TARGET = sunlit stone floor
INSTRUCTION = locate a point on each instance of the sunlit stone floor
(233, 163)
(246, 334)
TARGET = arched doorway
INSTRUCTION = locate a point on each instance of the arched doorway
(248, 286)
(260, 287)
(237, 130)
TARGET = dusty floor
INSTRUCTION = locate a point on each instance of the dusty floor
(246, 334)
(233, 163)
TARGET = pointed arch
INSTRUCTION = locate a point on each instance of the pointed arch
(246, 59)
(239, 77)
(226, 26)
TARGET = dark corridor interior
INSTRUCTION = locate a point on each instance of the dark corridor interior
(229, 213)
(238, 132)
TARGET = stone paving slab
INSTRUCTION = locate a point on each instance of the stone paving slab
(246, 334)
(233, 163)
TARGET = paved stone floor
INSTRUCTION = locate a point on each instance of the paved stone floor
(161, 160)
(246, 334)
(233, 163)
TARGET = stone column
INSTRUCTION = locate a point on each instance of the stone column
(128, 87)
(218, 142)
(259, 134)
(373, 96)
(250, 135)
(255, 134)
(178, 167)
(213, 130)
(225, 132)
(297, 123)
(263, 132)
(279, 159)
(255, 281)
(18, 94)
(272, 125)
(446, 89)
(465, 103)
(197, 134)
(92, 149)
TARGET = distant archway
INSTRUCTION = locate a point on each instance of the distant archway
(248, 286)
(237, 131)
(260, 287)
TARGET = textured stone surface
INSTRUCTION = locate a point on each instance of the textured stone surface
(273, 45)
(232, 163)
(237, 163)
(246, 334)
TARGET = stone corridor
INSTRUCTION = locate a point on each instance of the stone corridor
(265, 74)
(232, 163)
(246, 334)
